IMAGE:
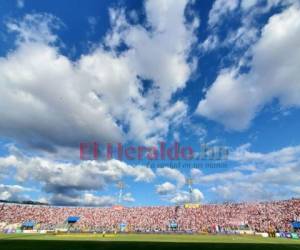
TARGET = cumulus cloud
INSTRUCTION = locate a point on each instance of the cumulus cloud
(186, 197)
(286, 155)
(35, 28)
(243, 191)
(257, 176)
(47, 98)
(13, 192)
(235, 98)
(277, 167)
(247, 4)
(175, 193)
(235, 38)
(217, 177)
(165, 188)
(220, 9)
(249, 167)
(170, 43)
(59, 102)
(51, 103)
(172, 174)
(69, 179)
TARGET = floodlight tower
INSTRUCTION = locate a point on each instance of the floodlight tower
(189, 183)
(121, 187)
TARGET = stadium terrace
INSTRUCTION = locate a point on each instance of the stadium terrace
(271, 218)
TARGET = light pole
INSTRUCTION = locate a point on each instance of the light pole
(189, 183)
(121, 187)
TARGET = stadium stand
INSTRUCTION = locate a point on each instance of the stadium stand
(276, 216)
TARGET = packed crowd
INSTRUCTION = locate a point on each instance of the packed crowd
(260, 217)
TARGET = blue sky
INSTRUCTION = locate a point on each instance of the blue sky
(220, 73)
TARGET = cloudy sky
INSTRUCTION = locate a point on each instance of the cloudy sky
(224, 73)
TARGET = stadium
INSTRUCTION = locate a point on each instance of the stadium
(149, 124)
(230, 223)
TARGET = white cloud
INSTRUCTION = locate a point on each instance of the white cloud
(258, 176)
(175, 193)
(234, 112)
(167, 45)
(234, 98)
(13, 192)
(185, 197)
(172, 174)
(35, 28)
(243, 191)
(220, 9)
(282, 156)
(165, 188)
(69, 179)
(246, 4)
(246, 168)
(46, 98)
(59, 102)
(217, 177)
(244, 13)
(210, 43)
(195, 172)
